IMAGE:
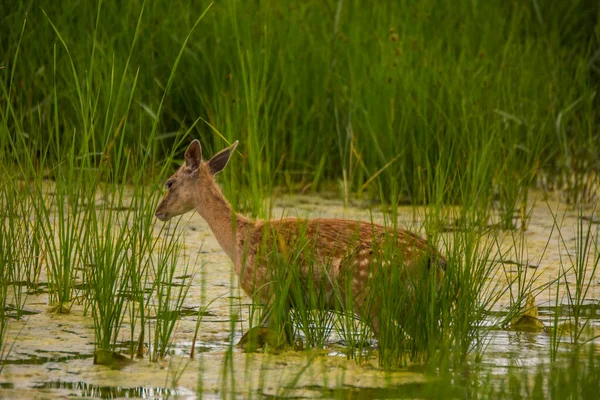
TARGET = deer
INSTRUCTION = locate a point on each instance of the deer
(339, 257)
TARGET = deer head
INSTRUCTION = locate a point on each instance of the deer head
(184, 188)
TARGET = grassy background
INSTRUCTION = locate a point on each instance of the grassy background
(429, 101)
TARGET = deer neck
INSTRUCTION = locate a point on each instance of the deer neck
(217, 212)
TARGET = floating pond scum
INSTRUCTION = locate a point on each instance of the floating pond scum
(51, 354)
(472, 124)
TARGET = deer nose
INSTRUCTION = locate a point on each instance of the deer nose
(160, 215)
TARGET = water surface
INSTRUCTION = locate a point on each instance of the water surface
(51, 354)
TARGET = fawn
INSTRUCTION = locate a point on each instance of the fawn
(338, 257)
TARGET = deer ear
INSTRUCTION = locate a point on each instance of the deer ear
(193, 155)
(219, 160)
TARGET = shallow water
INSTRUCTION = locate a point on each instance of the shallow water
(51, 355)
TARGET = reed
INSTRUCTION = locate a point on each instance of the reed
(309, 79)
(5, 267)
(77, 225)
(108, 276)
(168, 296)
(578, 271)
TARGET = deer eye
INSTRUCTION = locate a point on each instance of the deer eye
(169, 184)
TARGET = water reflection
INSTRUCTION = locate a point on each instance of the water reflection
(83, 389)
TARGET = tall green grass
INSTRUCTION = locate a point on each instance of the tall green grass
(168, 296)
(578, 272)
(68, 209)
(20, 250)
(385, 100)
(4, 285)
(108, 276)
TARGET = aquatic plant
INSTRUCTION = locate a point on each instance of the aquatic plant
(4, 282)
(297, 298)
(521, 273)
(14, 244)
(579, 268)
(108, 276)
(142, 245)
(79, 235)
(167, 296)
(376, 110)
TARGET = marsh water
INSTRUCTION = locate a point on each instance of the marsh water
(51, 355)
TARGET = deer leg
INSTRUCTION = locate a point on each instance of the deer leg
(272, 330)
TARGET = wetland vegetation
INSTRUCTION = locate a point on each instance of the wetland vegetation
(474, 124)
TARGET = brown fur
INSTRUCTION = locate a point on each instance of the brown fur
(338, 253)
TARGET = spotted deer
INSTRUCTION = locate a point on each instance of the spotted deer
(339, 257)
